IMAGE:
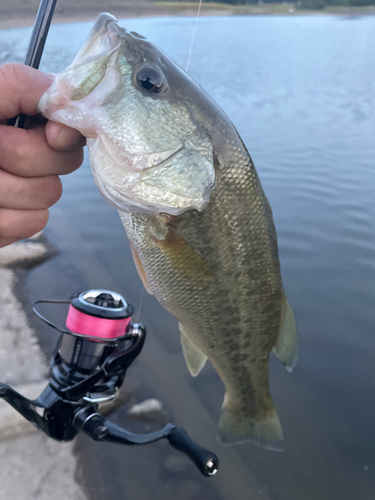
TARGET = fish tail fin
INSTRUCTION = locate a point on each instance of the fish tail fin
(266, 432)
(286, 348)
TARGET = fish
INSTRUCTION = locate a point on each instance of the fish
(200, 227)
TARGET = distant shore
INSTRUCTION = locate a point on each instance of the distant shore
(15, 14)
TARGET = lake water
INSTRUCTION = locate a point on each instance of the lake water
(301, 92)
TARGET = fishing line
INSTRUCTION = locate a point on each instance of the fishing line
(195, 29)
(140, 305)
(137, 314)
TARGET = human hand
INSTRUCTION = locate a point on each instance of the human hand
(30, 160)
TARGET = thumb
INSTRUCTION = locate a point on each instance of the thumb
(21, 88)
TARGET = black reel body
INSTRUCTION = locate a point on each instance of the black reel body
(88, 368)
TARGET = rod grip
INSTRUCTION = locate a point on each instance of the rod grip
(206, 461)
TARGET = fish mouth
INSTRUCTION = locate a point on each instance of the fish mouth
(96, 58)
(103, 39)
(101, 23)
(89, 79)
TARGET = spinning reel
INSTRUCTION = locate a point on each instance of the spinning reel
(88, 368)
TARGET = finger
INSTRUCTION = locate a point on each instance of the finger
(26, 153)
(20, 224)
(63, 138)
(7, 241)
(21, 89)
(29, 193)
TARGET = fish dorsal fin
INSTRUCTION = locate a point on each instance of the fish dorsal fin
(140, 269)
(194, 357)
(286, 348)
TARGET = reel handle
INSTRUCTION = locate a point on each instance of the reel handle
(101, 429)
(206, 461)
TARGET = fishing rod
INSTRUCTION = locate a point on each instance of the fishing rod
(36, 45)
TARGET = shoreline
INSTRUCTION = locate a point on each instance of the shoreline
(13, 19)
(23, 366)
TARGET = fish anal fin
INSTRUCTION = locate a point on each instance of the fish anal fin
(140, 269)
(194, 357)
(286, 348)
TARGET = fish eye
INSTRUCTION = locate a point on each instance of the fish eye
(151, 80)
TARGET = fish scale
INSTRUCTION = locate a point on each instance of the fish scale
(199, 224)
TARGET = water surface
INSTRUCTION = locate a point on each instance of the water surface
(301, 93)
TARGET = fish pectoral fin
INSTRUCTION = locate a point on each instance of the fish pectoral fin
(194, 357)
(184, 257)
(140, 269)
(286, 348)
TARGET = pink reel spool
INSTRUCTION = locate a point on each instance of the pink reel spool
(99, 313)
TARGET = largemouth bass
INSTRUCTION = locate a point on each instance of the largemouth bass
(198, 221)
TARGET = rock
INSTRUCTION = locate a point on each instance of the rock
(23, 253)
(150, 410)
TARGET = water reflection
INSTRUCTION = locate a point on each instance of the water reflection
(309, 86)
